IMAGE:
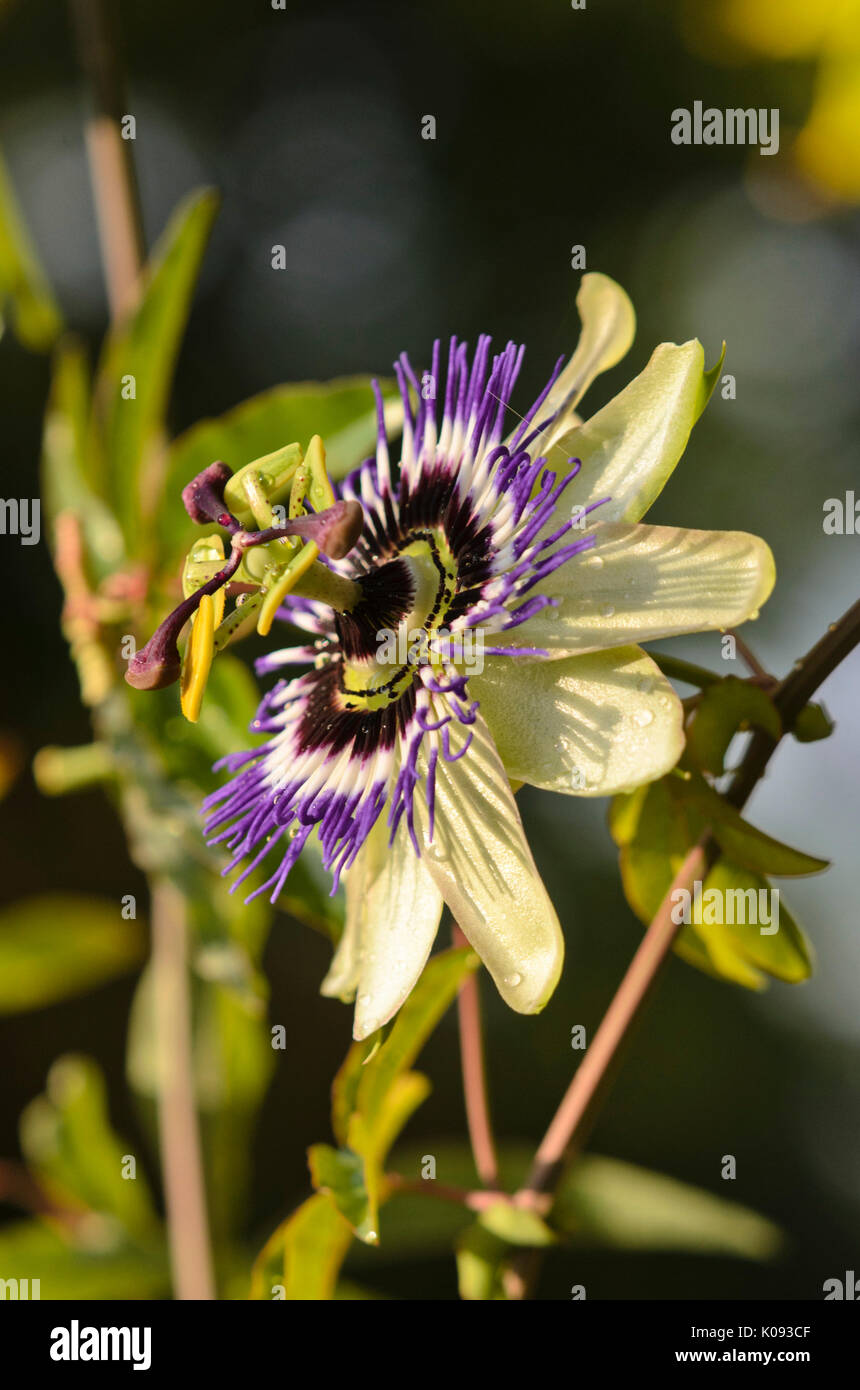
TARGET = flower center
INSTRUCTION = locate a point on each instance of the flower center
(386, 636)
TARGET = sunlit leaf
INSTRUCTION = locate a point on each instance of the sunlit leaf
(56, 946)
(302, 1259)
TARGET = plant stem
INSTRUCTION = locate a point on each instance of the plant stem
(110, 159)
(474, 1076)
(748, 655)
(577, 1111)
(179, 1138)
(686, 671)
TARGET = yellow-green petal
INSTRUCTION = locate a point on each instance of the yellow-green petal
(608, 328)
(644, 582)
(586, 725)
(480, 861)
(393, 912)
(629, 449)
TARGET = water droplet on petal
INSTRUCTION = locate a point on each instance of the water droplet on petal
(643, 717)
(595, 562)
(514, 980)
(608, 610)
(644, 684)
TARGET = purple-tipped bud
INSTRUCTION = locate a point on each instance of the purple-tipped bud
(340, 527)
(156, 665)
(203, 497)
(334, 530)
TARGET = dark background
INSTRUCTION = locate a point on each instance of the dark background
(552, 130)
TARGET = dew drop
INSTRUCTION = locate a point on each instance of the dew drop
(595, 562)
(514, 980)
(645, 684)
(643, 717)
(608, 610)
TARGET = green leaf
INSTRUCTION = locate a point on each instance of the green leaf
(145, 347)
(722, 710)
(68, 1141)
(340, 1173)
(303, 1257)
(516, 1225)
(655, 827)
(812, 724)
(104, 1266)
(343, 412)
(605, 1202)
(431, 996)
(418, 1224)
(56, 946)
(740, 951)
(374, 1093)
(35, 315)
(742, 842)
